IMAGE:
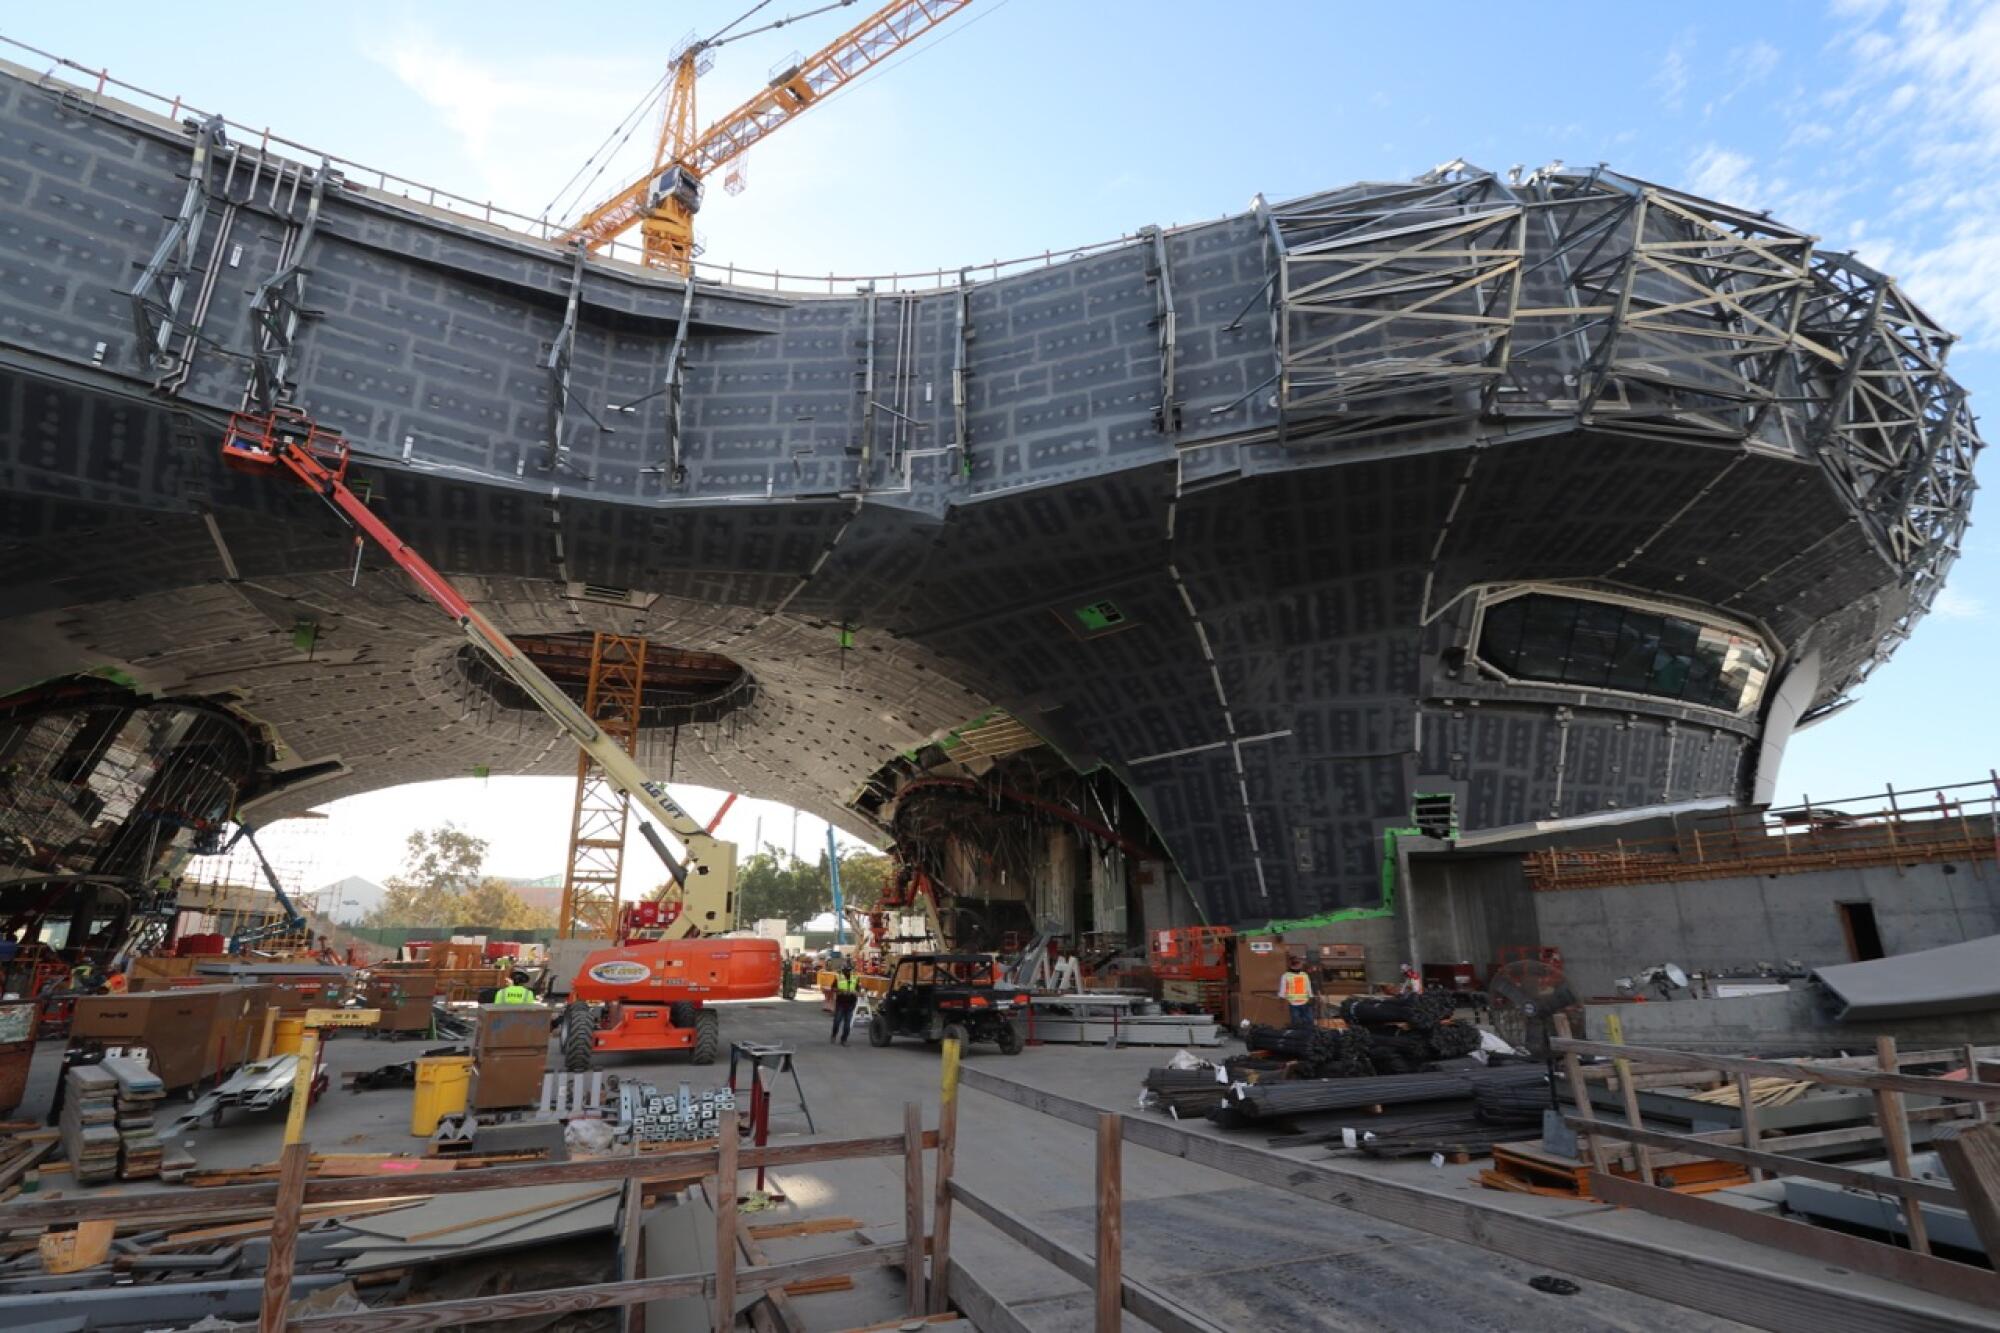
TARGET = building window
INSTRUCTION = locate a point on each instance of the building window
(1608, 645)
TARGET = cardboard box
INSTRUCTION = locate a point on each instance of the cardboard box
(190, 1033)
(509, 1078)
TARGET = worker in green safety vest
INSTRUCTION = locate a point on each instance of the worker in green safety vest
(517, 993)
(846, 995)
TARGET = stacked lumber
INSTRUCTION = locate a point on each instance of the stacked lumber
(139, 1094)
(90, 1123)
(22, 1149)
(1763, 1092)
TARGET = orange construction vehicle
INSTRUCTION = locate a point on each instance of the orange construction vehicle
(645, 992)
(647, 995)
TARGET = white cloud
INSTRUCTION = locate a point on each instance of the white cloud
(1672, 76)
(523, 129)
(1925, 92)
(1724, 176)
(1807, 133)
(1955, 605)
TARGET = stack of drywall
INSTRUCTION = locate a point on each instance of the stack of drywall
(139, 1094)
(90, 1123)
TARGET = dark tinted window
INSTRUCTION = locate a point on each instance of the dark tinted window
(1605, 645)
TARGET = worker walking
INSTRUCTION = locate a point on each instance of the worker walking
(1295, 988)
(516, 993)
(846, 995)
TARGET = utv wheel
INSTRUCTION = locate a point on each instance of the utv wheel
(956, 1032)
(707, 1038)
(579, 1028)
(878, 1030)
(682, 1013)
(1010, 1039)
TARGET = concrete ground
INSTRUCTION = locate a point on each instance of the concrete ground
(1242, 1255)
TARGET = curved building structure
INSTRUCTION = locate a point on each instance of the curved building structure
(1461, 504)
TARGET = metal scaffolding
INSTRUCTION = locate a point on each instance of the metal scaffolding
(613, 695)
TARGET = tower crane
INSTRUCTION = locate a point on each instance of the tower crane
(664, 201)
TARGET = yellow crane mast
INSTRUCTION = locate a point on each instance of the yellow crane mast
(664, 201)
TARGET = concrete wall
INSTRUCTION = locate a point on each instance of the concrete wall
(1796, 1021)
(1728, 923)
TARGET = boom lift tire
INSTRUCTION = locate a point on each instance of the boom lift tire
(707, 1037)
(579, 1028)
(683, 1012)
(878, 1030)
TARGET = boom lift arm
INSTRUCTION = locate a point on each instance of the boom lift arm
(286, 439)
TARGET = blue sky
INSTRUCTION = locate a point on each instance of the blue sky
(1025, 125)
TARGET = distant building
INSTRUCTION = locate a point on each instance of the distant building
(543, 894)
(348, 900)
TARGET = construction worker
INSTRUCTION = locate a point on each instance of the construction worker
(846, 995)
(517, 993)
(1295, 988)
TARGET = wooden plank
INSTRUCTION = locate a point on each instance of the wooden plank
(1778, 1164)
(1748, 1107)
(1110, 1224)
(630, 1216)
(1896, 1137)
(1892, 1262)
(774, 1313)
(597, 1296)
(681, 1168)
(1832, 1075)
(913, 1210)
(284, 1237)
(725, 1220)
(1971, 1057)
(1573, 1075)
(1140, 1299)
(1627, 1093)
(813, 1226)
(1971, 1157)
(947, 1152)
(1735, 1287)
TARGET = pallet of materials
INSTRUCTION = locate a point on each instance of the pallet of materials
(138, 1101)
(1116, 1020)
(1527, 1168)
(90, 1123)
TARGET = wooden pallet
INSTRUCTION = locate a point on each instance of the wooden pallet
(1525, 1169)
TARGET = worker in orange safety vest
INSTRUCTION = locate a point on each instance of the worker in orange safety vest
(1295, 988)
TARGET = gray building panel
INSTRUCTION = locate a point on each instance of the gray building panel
(1382, 401)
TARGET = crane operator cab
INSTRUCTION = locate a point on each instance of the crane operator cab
(678, 184)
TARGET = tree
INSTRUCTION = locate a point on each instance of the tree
(493, 903)
(440, 866)
(773, 884)
(863, 876)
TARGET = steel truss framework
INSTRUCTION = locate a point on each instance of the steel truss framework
(613, 698)
(1560, 300)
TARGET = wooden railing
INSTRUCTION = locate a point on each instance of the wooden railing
(1960, 822)
(294, 1189)
(1968, 1104)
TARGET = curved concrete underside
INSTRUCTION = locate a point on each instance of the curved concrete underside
(1281, 448)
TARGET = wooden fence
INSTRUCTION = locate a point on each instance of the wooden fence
(294, 1189)
(1973, 1162)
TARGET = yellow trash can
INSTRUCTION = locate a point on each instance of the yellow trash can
(444, 1084)
(287, 1035)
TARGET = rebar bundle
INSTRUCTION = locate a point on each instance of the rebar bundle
(1260, 1101)
(1320, 1052)
(1422, 1012)
(1513, 1103)
(1185, 1092)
